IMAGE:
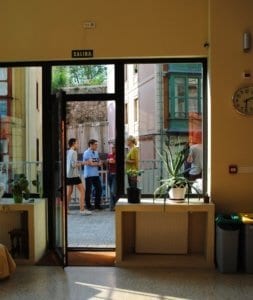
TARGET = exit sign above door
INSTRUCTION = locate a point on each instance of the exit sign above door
(82, 53)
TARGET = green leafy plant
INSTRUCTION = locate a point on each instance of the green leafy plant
(134, 172)
(174, 166)
(19, 186)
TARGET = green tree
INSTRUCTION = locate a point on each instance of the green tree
(87, 75)
(59, 78)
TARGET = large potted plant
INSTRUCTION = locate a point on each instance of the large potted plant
(19, 187)
(176, 184)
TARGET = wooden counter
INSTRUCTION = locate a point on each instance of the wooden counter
(10, 219)
(175, 235)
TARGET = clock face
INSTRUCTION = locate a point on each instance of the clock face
(243, 100)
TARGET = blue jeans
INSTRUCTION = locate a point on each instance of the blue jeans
(112, 186)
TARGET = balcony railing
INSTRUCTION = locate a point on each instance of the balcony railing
(148, 181)
(32, 170)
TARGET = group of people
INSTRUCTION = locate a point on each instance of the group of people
(91, 163)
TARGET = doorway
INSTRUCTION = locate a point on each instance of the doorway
(89, 111)
(85, 120)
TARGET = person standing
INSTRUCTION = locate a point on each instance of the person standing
(73, 177)
(111, 160)
(91, 166)
(132, 161)
(195, 157)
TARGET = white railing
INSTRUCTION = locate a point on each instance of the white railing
(148, 181)
(150, 178)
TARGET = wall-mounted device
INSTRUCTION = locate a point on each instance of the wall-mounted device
(246, 41)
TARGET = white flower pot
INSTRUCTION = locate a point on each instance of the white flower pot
(177, 194)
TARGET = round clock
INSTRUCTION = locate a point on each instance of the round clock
(243, 100)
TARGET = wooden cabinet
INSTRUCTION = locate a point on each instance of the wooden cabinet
(154, 234)
(10, 214)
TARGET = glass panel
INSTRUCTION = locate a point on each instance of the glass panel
(87, 120)
(179, 87)
(3, 73)
(179, 108)
(20, 122)
(83, 79)
(193, 91)
(170, 113)
(3, 89)
(3, 108)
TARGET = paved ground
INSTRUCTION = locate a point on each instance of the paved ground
(97, 230)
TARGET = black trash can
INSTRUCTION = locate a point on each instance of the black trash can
(227, 242)
(246, 242)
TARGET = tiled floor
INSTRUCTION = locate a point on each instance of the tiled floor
(33, 282)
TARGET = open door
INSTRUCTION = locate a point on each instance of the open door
(58, 163)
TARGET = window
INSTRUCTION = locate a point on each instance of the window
(5, 91)
(165, 105)
(83, 79)
(136, 110)
(20, 124)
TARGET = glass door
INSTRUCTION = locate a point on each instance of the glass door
(90, 100)
(92, 120)
(58, 168)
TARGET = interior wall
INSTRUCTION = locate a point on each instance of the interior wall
(49, 30)
(231, 133)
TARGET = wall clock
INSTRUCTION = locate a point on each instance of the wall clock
(243, 100)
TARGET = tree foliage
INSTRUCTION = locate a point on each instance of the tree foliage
(72, 76)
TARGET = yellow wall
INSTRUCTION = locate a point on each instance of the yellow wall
(231, 133)
(49, 30)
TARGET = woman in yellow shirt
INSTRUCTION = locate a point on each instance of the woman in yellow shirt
(132, 161)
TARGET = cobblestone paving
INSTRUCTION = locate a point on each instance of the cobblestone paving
(96, 230)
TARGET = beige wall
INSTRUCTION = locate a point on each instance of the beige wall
(49, 30)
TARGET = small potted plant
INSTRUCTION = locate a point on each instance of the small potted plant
(176, 184)
(133, 192)
(19, 187)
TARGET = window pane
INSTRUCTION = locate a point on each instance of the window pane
(3, 108)
(169, 112)
(193, 87)
(83, 79)
(179, 108)
(21, 121)
(3, 89)
(179, 87)
(3, 73)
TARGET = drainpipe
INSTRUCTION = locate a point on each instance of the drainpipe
(159, 110)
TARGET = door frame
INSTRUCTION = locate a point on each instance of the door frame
(118, 97)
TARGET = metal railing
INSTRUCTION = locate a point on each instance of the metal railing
(147, 182)
(32, 170)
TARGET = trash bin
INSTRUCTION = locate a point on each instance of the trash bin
(227, 242)
(246, 241)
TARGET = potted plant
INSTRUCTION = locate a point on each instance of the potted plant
(176, 184)
(19, 187)
(133, 192)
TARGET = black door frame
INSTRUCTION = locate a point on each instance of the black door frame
(118, 96)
